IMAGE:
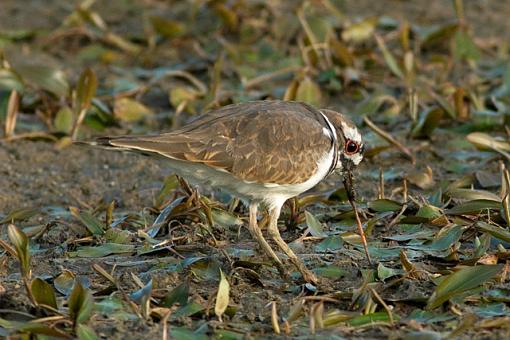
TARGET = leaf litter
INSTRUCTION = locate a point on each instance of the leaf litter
(100, 242)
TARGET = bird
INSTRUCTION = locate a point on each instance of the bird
(263, 152)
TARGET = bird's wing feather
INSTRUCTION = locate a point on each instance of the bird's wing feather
(226, 139)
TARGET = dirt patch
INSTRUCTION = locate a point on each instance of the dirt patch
(416, 235)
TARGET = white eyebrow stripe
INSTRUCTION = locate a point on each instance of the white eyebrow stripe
(351, 133)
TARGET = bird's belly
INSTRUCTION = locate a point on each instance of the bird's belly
(271, 193)
(246, 190)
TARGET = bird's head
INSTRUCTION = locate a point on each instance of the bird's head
(350, 146)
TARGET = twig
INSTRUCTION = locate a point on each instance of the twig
(396, 218)
(165, 324)
(12, 113)
(268, 76)
(381, 301)
(274, 318)
(381, 183)
(35, 134)
(390, 139)
(361, 231)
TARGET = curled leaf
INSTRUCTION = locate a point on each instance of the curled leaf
(222, 298)
(81, 304)
(85, 90)
(20, 242)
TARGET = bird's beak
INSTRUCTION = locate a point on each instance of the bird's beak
(348, 181)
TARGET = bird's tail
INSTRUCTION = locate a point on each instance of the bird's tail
(107, 143)
(146, 145)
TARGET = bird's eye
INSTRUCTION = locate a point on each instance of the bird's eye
(351, 147)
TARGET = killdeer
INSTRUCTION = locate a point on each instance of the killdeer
(260, 151)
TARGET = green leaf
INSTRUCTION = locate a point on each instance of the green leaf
(20, 243)
(437, 35)
(19, 215)
(88, 220)
(422, 234)
(370, 318)
(43, 293)
(331, 272)
(320, 28)
(383, 205)
(64, 120)
(472, 194)
(166, 28)
(86, 333)
(429, 212)
(130, 110)
(31, 327)
(64, 283)
(85, 90)
(104, 250)
(423, 316)
(473, 207)
(442, 243)
(115, 235)
(360, 31)
(225, 219)
(81, 304)
(492, 310)
(188, 310)
(384, 272)
(9, 81)
(46, 78)
(315, 227)
(330, 243)
(183, 94)
(428, 122)
(494, 231)
(169, 185)
(461, 281)
(223, 296)
(179, 294)
(184, 333)
(309, 92)
(485, 141)
(389, 58)
(465, 47)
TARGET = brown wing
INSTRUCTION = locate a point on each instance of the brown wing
(287, 136)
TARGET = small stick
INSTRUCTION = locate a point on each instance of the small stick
(381, 183)
(389, 138)
(361, 232)
(274, 318)
(405, 191)
(165, 324)
(381, 301)
(351, 195)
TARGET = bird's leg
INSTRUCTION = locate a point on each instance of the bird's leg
(274, 213)
(257, 234)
